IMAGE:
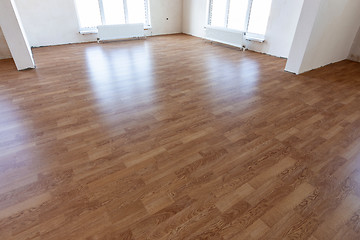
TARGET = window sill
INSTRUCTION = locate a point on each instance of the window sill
(225, 29)
(95, 31)
(255, 37)
(86, 32)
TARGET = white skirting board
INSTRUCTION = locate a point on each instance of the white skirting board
(120, 31)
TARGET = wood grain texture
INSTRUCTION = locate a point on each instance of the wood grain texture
(176, 138)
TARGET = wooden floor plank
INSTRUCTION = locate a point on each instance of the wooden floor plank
(175, 138)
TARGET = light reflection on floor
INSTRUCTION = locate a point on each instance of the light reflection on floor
(120, 74)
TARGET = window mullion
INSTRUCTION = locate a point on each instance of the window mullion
(126, 12)
(147, 16)
(210, 12)
(227, 13)
(247, 20)
(102, 12)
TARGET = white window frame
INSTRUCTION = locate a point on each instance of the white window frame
(248, 35)
(147, 24)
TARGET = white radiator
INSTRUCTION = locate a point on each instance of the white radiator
(225, 36)
(120, 31)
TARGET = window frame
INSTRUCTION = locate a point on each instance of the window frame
(89, 30)
(248, 35)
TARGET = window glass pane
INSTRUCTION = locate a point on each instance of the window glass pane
(218, 13)
(259, 16)
(88, 13)
(136, 10)
(114, 11)
(237, 14)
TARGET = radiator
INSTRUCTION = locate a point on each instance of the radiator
(120, 31)
(225, 36)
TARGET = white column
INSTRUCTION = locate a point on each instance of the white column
(324, 35)
(302, 35)
(14, 33)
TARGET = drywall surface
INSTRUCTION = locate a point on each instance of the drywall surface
(281, 28)
(355, 50)
(194, 17)
(13, 31)
(51, 22)
(166, 16)
(302, 35)
(333, 33)
(4, 49)
(54, 22)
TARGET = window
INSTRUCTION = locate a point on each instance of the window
(92, 13)
(88, 13)
(237, 14)
(218, 13)
(259, 16)
(112, 13)
(250, 16)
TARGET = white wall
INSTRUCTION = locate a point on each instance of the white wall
(302, 35)
(51, 22)
(194, 17)
(280, 32)
(355, 50)
(332, 34)
(15, 36)
(4, 49)
(160, 10)
(281, 28)
(54, 22)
